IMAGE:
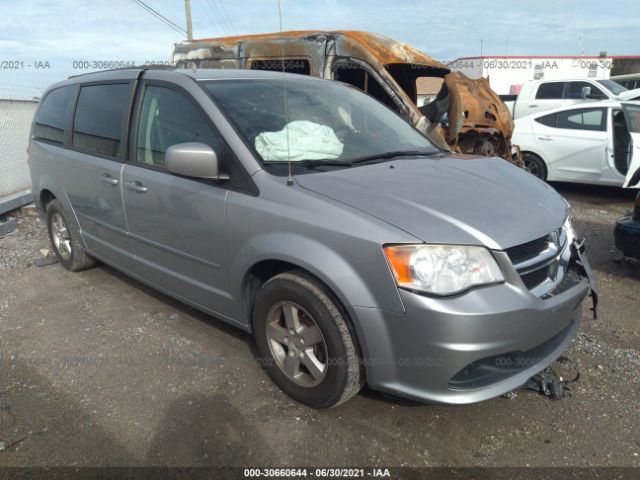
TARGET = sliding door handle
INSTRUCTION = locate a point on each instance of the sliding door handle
(136, 187)
(109, 180)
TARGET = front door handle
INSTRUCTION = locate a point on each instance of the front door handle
(545, 138)
(136, 187)
(533, 106)
(108, 180)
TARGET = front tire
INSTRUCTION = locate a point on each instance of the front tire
(304, 342)
(534, 165)
(65, 241)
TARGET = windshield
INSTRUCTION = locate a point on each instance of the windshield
(325, 121)
(612, 86)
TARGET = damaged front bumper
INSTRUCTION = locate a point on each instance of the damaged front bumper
(475, 346)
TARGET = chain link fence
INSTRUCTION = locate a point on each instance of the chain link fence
(15, 121)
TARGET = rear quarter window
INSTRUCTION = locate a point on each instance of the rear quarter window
(548, 120)
(50, 119)
(100, 117)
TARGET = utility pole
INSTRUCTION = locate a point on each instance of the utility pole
(187, 9)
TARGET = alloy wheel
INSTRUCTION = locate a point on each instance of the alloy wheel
(297, 344)
(60, 235)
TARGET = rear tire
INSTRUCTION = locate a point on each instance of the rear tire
(304, 342)
(65, 240)
(534, 165)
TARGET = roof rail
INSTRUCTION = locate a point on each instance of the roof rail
(141, 67)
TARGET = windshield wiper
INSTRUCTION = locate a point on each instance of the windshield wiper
(394, 154)
(324, 163)
(310, 163)
(349, 163)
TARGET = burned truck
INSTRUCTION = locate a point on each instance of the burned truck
(465, 116)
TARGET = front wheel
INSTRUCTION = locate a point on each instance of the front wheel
(304, 341)
(534, 165)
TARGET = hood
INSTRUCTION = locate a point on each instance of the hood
(454, 199)
(630, 94)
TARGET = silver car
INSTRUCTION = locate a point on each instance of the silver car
(310, 214)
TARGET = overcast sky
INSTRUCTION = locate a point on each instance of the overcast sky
(34, 32)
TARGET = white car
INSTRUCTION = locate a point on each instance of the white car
(537, 96)
(596, 143)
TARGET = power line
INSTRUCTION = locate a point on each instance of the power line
(227, 15)
(214, 18)
(219, 15)
(205, 11)
(161, 17)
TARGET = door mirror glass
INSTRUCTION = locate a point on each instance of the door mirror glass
(194, 159)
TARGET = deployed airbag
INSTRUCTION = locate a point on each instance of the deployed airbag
(306, 141)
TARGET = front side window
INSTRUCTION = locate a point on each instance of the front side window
(550, 91)
(100, 117)
(52, 115)
(574, 91)
(583, 119)
(323, 121)
(355, 74)
(167, 117)
(632, 116)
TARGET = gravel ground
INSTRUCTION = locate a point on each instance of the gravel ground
(96, 369)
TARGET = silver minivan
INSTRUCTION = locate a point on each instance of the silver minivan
(310, 214)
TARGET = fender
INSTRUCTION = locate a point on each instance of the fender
(317, 258)
(47, 183)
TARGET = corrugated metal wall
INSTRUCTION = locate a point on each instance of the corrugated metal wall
(15, 122)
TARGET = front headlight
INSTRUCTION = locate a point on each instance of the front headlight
(442, 269)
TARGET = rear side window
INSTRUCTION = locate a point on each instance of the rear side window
(168, 117)
(583, 119)
(550, 90)
(52, 115)
(548, 120)
(99, 119)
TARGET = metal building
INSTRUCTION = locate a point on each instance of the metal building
(15, 122)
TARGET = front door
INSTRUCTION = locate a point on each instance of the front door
(177, 224)
(632, 115)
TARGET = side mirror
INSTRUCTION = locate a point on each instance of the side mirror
(195, 160)
(586, 91)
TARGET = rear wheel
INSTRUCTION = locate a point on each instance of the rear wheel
(534, 165)
(304, 341)
(64, 241)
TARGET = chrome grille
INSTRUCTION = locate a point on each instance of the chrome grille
(527, 250)
(542, 263)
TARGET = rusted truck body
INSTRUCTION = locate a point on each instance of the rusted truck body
(465, 116)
